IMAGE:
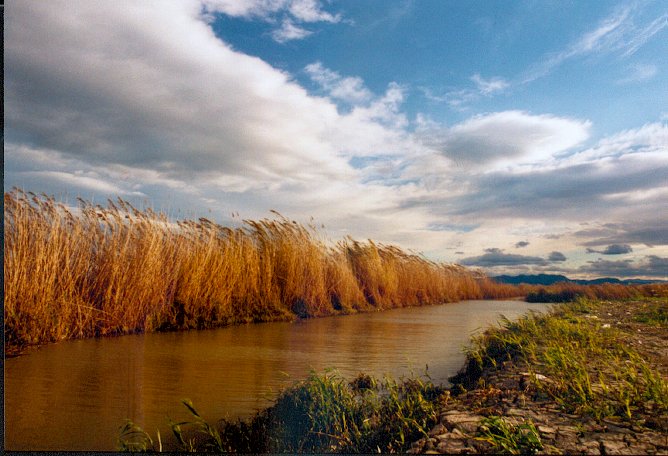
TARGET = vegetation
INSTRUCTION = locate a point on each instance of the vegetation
(323, 413)
(508, 438)
(568, 291)
(584, 366)
(573, 361)
(90, 271)
(654, 313)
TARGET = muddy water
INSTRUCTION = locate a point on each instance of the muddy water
(75, 395)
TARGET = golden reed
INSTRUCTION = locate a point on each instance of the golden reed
(74, 273)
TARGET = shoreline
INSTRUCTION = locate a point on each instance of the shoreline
(121, 270)
(15, 351)
(505, 401)
(588, 377)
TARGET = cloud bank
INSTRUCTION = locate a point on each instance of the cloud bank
(143, 100)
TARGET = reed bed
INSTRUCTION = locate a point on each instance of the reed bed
(567, 292)
(94, 270)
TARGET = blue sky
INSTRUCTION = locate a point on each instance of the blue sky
(520, 137)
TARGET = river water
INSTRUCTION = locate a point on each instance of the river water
(75, 395)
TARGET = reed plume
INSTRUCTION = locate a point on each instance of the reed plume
(93, 270)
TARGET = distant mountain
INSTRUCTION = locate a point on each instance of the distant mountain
(549, 279)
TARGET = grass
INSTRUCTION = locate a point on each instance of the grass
(509, 438)
(655, 314)
(116, 269)
(575, 361)
(569, 292)
(323, 413)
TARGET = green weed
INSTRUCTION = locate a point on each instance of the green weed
(323, 413)
(576, 361)
(508, 438)
(656, 314)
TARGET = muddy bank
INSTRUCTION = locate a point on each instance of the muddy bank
(594, 382)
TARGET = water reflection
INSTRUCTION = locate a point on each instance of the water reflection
(75, 395)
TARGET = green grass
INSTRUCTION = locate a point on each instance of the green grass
(323, 413)
(583, 366)
(573, 359)
(656, 314)
(508, 438)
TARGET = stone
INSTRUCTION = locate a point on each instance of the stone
(515, 412)
(590, 447)
(450, 446)
(464, 421)
(438, 429)
(456, 434)
(614, 447)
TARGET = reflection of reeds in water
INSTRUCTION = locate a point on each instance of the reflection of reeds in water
(117, 269)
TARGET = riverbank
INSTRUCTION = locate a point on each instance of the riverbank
(589, 377)
(592, 378)
(90, 271)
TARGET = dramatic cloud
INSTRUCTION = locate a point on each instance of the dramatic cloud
(651, 233)
(619, 176)
(495, 257)
(508, 135)
(650, 266)
(169, 96)
(143, 100)
(614, 249)
(650, 140)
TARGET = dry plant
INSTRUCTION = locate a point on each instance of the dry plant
(93, 270)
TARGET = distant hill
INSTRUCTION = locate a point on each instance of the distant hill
(549, 279)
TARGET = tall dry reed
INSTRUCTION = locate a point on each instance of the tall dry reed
(73, 273)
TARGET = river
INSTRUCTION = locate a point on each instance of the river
(75, 395)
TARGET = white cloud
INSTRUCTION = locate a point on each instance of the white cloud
(142, 98)
(289, 31)
(246, 8)
(91, 181)
(301, 10)
(638, 73)
(644, 34)
(147, 98)
(489, 86)
(349, 89)
(153, 87)
(311, 11)
(508, 137)
(290, 13)
(616, 33)
(650, 140)
(458, 99)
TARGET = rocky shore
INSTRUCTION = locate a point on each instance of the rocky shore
(510, 407)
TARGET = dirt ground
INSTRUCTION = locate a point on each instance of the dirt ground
(508, 393)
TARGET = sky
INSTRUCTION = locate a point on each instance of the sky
(518, 137)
